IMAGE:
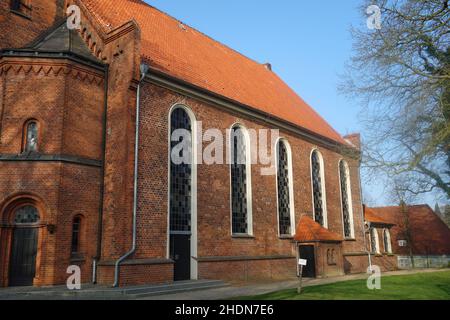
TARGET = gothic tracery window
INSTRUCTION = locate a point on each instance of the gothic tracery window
(387, 241)
(374, 244)
(284, 189)
(181, 176)
(76, 230)
(240, 181)
(31, 137)
(319, 200)
(21, 6)
(26, 215)
(346, 202)
(15, 5)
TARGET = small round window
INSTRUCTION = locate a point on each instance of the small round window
(26, 215)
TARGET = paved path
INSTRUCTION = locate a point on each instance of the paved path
(246, 289)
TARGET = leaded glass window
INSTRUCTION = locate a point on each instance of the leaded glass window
(284, 210)
(181, 177)
(387, 241)
(76, 228)
(318, 190)
(239, 182)
(22, 6)
(31, 139)
(15, 5)
(26, 215)
(373, 240)
(345, 192)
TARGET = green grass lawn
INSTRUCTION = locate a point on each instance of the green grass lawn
(422, 286)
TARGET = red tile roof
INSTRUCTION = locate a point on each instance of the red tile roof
(429, 234)
(371, 216)
(187, 54)
(310, 231)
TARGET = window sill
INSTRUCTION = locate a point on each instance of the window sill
(77, 258)
(376, 254)
(242, 236)
(286, 237)
(20, 14)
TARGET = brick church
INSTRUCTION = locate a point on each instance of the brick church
(86, 122)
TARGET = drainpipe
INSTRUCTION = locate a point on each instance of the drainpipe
(362, 220)
(143, 69)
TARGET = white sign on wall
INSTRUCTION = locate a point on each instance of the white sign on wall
(302, 262)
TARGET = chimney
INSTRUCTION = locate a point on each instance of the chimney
(268, 66)
(354, 140)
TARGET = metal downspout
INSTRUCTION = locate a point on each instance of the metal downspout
(362, 219)
(143, 69)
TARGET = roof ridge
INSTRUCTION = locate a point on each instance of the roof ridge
(310, 226)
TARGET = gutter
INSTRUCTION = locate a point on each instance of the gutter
(143, 69)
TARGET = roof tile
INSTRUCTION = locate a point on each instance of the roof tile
(310, 231)
(429, 234)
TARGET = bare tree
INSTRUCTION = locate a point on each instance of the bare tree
(447, 215)
(401, 73)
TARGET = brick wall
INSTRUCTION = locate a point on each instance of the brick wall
(248, 270)
(17, 31)
(137, 274)
(360, 263)
(213, 193)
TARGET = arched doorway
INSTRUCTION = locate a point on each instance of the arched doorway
(22, 262)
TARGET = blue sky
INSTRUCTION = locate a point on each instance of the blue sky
(307, 42)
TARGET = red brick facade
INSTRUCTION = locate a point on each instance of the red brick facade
(83, 168)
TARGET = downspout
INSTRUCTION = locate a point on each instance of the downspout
(362, 219)
(102, 181)
(143, 72)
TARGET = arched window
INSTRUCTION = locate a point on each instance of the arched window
(182, 224)
(346, 200)
(284, 189)
(31, 136)
(240, 182)
(76, 235)
(15, 5)
(26, 215)
(374, 242)
(387, 241)
(181, 171)
(22, 6)
(318, 188)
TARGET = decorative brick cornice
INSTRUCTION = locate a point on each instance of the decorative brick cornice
(36, 157)
(48, 68)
